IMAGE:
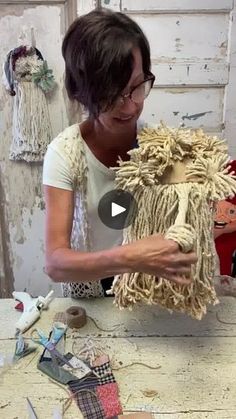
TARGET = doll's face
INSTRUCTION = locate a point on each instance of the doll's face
(225, 215)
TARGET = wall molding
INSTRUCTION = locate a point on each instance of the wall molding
(69, 5)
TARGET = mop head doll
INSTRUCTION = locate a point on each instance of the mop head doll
(175, 176)
(27, 78)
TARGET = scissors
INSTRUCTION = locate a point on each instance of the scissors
(39, 337)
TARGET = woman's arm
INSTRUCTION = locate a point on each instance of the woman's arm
(154, 254)
(62, 262)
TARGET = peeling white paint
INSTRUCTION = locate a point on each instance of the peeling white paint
(190, 72)
(177, 5)
(21, 181)
(175, 106)
(29, 255)
(196, 37)
(112, 4)
(230, 98)
(193, 47)
(85, 6)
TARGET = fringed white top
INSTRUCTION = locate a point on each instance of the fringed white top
(69, 164)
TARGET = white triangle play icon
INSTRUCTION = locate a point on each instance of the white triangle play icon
(116, 209)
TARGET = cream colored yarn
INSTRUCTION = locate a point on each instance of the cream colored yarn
(175, 177)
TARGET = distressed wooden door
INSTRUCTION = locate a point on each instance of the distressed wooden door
(193, 45)
(21, 201)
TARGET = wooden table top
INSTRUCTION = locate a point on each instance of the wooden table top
(167, 364)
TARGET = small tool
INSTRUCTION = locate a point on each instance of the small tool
(31, 410)
(32, 309)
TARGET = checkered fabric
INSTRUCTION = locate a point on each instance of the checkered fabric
(97, 394)
(105, 373)
(60, 317)
(91, 381)
(89, 404)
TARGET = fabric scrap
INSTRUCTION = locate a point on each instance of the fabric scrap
(108, 395)
(89, 404)
(100, 389)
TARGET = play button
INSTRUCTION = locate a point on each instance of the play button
(117, 209)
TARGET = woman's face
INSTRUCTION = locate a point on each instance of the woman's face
(124, 115)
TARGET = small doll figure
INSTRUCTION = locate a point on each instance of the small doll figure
(225, 242)
(225, 233)
(28, 79)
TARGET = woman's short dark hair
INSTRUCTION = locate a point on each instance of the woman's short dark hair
(97, 50)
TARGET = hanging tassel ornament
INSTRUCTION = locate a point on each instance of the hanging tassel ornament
(28, 79)
(175, 175)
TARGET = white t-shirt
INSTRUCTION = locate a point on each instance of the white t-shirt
(56, 172)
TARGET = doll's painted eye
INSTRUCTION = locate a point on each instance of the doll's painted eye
(232, 211)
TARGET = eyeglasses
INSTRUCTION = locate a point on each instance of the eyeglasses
(138, 93)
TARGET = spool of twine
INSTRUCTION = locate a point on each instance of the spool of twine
(75, 317)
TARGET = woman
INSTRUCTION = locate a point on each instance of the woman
(107, 67)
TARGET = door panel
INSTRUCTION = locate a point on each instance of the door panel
(193, 48)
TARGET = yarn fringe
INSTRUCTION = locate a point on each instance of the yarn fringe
(182, 211)
(31, 124)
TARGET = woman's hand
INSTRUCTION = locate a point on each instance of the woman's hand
(154, 254)
(158, 256)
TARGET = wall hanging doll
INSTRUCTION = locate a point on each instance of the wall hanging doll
(175, 176)
(27, 78)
